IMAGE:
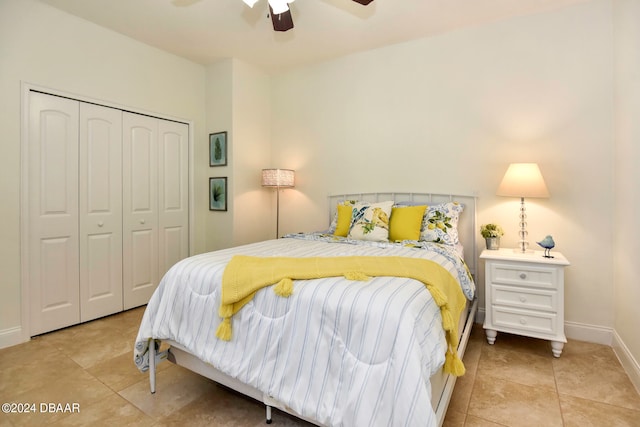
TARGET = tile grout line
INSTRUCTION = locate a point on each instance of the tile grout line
(555, 382)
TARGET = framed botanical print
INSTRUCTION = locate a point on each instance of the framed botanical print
(218, 149)
(218, 194)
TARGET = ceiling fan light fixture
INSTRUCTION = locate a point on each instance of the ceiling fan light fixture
(281, 13)
(281, 22)
(279, 6)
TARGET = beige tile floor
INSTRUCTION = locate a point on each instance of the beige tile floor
(516, 382)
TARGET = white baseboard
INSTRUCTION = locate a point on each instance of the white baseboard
(630, 365)
(11, 336)
(589, 333)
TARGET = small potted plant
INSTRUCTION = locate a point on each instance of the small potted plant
(492, 234)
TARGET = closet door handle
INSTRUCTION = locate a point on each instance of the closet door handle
(142, 221)
(100, 224)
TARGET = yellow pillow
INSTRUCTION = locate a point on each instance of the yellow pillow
(405, 223)
(343, 223)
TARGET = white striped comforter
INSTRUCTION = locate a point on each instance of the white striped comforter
(344, 353)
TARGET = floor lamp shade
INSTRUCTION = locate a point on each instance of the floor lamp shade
(523, 180)
(278, 178)
(282, 178)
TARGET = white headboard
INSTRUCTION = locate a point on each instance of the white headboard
(467, 228)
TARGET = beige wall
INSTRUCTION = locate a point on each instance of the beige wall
(43, 46)
(446, 113)
(449, 113)
(238, 101)
(253, 212)
(627, 177)
(219, 111)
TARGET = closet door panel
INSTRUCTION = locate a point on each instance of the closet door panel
(173, 193)
(100, 189)
(140, 208)
(143, 243)
(53, 212)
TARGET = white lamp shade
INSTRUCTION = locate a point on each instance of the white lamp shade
(250, 3)
(283, 178)
(523, 180)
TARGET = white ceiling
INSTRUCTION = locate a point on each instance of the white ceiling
(207, 30)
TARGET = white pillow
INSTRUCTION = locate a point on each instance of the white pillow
(371, 221)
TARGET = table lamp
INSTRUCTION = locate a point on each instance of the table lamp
(523, 180)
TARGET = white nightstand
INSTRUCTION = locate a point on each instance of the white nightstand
(524, 295)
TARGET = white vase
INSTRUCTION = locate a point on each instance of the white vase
(493, 243)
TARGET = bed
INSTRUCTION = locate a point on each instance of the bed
(354, 332)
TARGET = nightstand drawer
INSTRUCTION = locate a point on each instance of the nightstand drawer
(521, 275)
(533, 299)
(523, 320)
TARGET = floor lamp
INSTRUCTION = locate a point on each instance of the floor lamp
(278, 179)
(523, 180)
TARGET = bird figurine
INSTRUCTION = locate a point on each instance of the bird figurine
(547, 243)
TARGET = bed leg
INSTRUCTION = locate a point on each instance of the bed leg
(152, 366)
(269, 420)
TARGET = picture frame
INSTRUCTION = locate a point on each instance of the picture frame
(218, 194)
(218, 145)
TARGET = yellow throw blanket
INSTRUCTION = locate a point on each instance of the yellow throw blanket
(245, 275)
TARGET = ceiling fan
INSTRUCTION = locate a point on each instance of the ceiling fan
(281, 14)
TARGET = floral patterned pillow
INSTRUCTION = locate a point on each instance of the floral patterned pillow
(440, 223)
(371, 221)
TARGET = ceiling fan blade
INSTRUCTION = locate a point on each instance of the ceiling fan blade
(282, 21)
(364, 2)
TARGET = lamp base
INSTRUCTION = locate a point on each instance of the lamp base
(523, 245)
(520, 251)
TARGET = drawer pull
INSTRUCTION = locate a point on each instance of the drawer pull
(100, 224)
(523, 298)
(523, 276)
(523, 321)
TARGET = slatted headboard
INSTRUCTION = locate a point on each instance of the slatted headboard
(467, 228)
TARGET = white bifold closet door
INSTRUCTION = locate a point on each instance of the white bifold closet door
(107, 208)
(140, 203)
(54, 251)
(155, 201)
(100, 189)
(173, 194)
